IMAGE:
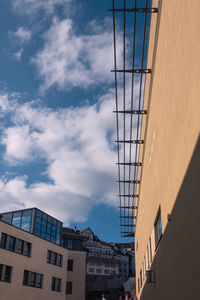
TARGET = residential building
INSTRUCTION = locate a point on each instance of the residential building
(33, 267)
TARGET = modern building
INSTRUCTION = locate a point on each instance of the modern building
(32, 267)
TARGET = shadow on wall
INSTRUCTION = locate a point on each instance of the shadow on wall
(177, 261)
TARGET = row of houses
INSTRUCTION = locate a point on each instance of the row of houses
(39, 257)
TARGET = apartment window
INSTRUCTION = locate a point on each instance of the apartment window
(140, 278)
(138, 285)
(32, 279)
(11, 244)
(54, 258)
(55, 284)
(98, 270)
(107, 271)
(3, 240)
(5, 273)
(15, 245)
(148, 256)
(91, 270)
(70, 265)
(69, 288)
(70, 244)
(19, 246)
(158, 228)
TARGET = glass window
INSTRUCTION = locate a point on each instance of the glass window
(38, 220)
(56, 284)
(26, 220)
(32, 278)
(7, 276)
(53, 239)
(70, 265)
(25, 280)
(38, 213)
(70, 244)
(53, 258)
(38, 283)
(58, 260)
(48, 256)
(3, 240)
(16, 221)
(158, 228)
(19, 246)
(49, 228)
(27, 249)
(11, 245)
(69, 287)
(7, 218)
(43, 235)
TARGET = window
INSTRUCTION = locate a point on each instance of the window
(158, 228)
(27, 249)
(107, 271)
(98, 270)
(91, 270)
(5, 273)
(3, 240)
(70, 244)
(11, 244)
(69, 288)
(54, 258)
(19, 246)
(70, 265)
(55, 284)
(32, 279)
(15, 245)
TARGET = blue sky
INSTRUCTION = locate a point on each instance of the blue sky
(57, 129)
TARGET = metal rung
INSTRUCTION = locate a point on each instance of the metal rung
(131, 142)
(130, 196)
(135, 164)
(128, 207)
(128, 217)
(137, 10)
(129, 181)
(134, 112)
(137, 71)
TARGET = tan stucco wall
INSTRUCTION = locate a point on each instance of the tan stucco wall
(36, 263)
(78, 275)
(173, 121)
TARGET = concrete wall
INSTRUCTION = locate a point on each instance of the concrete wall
(172, 96)
(78, 275)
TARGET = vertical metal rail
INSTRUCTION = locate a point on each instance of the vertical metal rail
(116, 105)
(124, 103)
(131, 125)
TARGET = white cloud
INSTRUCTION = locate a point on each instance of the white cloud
(18, 54)
(22, 35)
(71, 60)
(31, 7)
(73, 142)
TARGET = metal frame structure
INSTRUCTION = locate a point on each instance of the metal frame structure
(129, 105)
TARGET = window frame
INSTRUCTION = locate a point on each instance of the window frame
(69, 287)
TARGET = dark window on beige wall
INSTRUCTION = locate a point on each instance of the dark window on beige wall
(32, 279)
(56, 284)
(54, 258)
(69, 287)
(150, 250)
(70, 265)
(5, 273)
(15, 245)
(158, 228)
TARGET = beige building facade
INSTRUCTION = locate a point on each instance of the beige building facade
(168, 224)
(34, 268)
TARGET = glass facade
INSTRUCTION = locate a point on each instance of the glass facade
(47, 227)
(20, 219)
(43, 225)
